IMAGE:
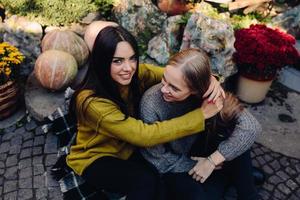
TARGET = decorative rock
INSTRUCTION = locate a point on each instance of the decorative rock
(26, 35)
(40, 102)
(289, 20)
(51, 28)
(2, 30)
(216, 38)
(166, 43)
(17, 116)
(140, 17)
(90, 18)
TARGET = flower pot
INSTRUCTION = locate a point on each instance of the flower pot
(252, 91)
(9, 94)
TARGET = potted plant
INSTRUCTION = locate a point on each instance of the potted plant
(10, 60)
(260, 53)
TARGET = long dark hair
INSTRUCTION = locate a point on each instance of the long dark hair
(98, 76)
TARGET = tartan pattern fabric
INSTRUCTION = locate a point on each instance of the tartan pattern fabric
(63, 125)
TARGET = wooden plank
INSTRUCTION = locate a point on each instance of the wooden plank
(252, 8)
(241, 4)
(220, 1)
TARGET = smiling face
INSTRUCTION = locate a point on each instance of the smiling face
(174, 86)
(124, 63)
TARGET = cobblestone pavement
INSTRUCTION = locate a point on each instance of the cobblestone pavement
(27, 154)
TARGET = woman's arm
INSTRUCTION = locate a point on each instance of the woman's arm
(242, 137)
(150, 75)
(108, 120)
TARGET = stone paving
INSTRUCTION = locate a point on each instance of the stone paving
(27, 154)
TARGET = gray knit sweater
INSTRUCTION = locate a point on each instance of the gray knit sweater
(173, 157)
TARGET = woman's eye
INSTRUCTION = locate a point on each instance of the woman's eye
(117, 61)
(174, 89)
(133, 59)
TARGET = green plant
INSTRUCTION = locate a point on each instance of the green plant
(105, 7)
(56, 12)
(239, 21)
(184, 18)
(143, 39)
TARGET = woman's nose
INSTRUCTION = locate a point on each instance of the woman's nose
(127, 66)
(164, 89)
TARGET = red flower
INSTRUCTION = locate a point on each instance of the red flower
(261, 51)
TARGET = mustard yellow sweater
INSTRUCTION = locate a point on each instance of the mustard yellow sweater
(103, 132)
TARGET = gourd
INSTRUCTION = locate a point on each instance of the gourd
(67, 41)
(55, 69)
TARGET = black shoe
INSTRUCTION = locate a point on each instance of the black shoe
(258, 176)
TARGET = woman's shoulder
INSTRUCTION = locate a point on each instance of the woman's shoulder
(89, 95)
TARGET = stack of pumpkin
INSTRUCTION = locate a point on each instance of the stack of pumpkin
(63, 53)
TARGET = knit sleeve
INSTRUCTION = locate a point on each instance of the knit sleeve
(242, 138)
(167, 161)
(160, 156)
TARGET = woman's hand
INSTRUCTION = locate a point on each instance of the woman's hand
(214, 90)
(210, 109)
(202, 170)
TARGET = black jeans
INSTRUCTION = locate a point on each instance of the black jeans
(134, 177)
(238, 172)
(181, 186)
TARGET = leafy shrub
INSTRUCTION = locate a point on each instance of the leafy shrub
(56, 12)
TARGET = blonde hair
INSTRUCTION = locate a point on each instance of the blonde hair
(195, 66)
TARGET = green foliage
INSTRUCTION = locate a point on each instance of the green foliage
(57, 12)
(105, 7)
(244, 21)
(184, 18)
(143, 39)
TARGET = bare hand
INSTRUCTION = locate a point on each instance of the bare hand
(202, 170)
(214, 90)
(211, 109)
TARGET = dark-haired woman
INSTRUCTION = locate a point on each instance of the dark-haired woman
(227, 137)
(106, 108)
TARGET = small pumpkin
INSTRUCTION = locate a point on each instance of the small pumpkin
(67, 41)
(55, 69)
(92, 31)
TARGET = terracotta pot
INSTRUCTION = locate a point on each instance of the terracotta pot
(252, 91)
(9, 94)
(173, 7)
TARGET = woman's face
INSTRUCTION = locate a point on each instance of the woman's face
(174, 86)
(124, 64)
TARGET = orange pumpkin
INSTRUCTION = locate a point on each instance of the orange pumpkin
(93, 29)
(67, 41)
(55, 69)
